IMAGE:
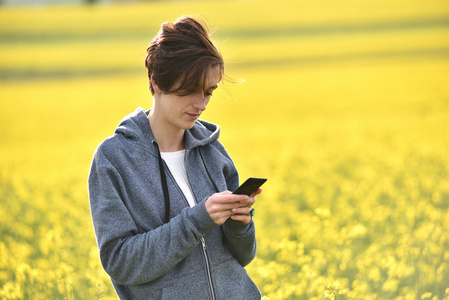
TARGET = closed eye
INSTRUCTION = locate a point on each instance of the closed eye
(210, 90)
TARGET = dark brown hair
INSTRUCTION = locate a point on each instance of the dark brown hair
(182, 54)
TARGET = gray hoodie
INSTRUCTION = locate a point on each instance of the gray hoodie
(148, 258)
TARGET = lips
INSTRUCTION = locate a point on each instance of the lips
(193, 116)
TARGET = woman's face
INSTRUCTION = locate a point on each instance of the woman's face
(180, 112)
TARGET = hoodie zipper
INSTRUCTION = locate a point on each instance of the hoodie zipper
(208, 268)
(203, 243)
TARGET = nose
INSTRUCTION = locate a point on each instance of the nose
(201, 101)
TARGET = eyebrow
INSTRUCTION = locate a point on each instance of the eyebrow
(214, 87)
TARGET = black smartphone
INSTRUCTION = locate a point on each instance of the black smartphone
(250, 186)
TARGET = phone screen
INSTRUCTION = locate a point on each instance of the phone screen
(250, 186)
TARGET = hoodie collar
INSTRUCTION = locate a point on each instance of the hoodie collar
(135, 127)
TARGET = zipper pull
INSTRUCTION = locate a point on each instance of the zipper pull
(204, 244)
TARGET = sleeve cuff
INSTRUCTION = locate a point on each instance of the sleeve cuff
(238, 228)
(200, 217)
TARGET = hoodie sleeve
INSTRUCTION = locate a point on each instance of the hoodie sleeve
(129, 256)
(240, 238)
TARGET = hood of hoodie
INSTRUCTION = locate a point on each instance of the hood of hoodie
(136, 128)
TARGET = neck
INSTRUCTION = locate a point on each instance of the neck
(167, 140)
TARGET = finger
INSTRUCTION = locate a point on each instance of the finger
(220, 207)
(224, 193)
(248, 202)
(229, 200)
(252, 199)
(243, 210)
(257, 192)
(226, 197)
(221, 216)
(245, 219)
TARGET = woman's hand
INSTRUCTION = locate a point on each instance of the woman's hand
(225, 205)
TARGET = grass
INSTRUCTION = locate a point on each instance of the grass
(344, 109)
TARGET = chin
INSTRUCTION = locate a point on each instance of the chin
(188, 125)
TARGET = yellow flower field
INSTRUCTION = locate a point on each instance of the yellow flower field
(344, 108)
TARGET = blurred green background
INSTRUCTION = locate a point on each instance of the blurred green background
(344, 107)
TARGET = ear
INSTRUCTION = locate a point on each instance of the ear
(156, 88)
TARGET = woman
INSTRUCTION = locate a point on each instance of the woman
(166, 224)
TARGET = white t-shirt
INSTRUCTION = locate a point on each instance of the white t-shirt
(177, 167)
